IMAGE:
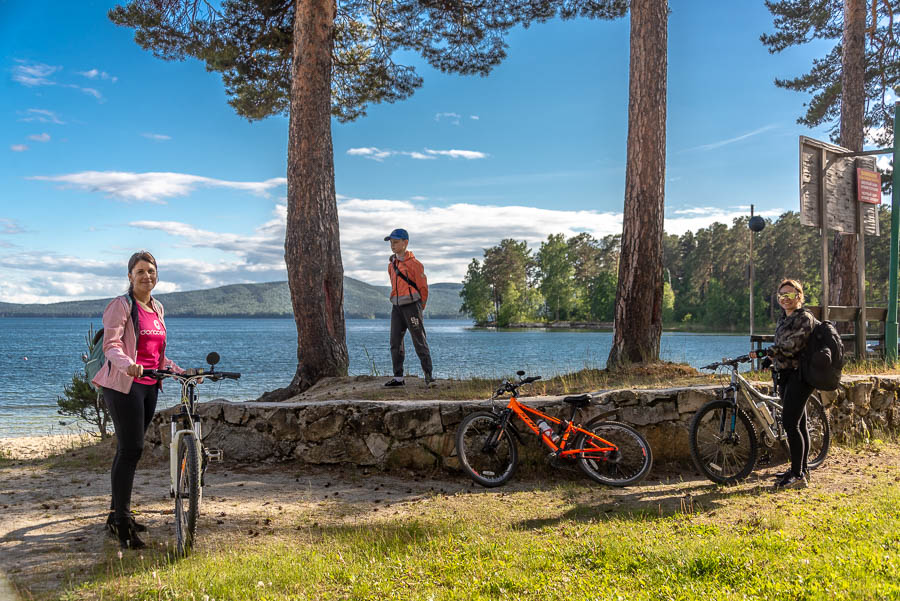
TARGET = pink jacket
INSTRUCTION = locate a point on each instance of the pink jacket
(119, 345)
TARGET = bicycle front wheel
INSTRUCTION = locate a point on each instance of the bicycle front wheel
(723, 442)
(187, 492)
(487, 452)
(618, 456)
(819, 431)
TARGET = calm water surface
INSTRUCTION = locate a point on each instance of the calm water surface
(38, 357)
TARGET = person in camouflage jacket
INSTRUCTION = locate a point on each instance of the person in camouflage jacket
(791, 335)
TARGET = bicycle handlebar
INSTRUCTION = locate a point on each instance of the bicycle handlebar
(728, 362)
(196, 372)
(507, 386)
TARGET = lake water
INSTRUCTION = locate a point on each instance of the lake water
(38, 357)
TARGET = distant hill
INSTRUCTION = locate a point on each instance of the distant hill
(271, 299)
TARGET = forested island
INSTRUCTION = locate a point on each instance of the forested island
(569, 282)
(270, 299)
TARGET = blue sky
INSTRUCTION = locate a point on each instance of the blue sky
(106, 149)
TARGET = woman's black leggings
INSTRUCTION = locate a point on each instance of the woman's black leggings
(131, 414)
(794, 392)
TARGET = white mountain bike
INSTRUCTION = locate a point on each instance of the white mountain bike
(188, 458)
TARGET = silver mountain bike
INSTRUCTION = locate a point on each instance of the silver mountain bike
(726, 434)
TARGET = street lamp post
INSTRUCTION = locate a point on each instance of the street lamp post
(756, 224)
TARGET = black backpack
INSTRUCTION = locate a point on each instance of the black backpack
(823, 357)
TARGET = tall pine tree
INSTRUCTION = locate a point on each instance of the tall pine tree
(639, 295)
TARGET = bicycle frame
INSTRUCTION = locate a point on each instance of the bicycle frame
(761, 407)
(560, 450)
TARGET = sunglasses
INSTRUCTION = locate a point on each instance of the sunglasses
(789, 295)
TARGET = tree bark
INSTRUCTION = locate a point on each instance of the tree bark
(844, 289)
(638, 309)
(312, 249)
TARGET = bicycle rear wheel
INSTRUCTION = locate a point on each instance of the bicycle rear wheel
(187, 492)
(622, 458)
(487, 452)
(819, 431)
(723, 442)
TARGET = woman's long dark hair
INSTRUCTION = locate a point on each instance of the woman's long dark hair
(141, 255)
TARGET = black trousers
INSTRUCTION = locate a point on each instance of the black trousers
(403, 318)
(131, 414)
(794, 392)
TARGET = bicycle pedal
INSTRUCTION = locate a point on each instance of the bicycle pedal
(215, 454)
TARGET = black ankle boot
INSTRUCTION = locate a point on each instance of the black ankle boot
(128, 538)
(111, 524)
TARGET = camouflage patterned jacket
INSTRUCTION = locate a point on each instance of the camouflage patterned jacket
(791, 335)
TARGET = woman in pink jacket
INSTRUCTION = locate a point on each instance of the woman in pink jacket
(134, 339)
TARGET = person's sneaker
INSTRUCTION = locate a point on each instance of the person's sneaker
(395, 382)
(782, 475)
(429, 380)
(791, 481)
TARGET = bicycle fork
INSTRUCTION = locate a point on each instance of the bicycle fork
(206, 455)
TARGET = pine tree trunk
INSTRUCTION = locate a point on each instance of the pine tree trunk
(638, 309)
(312, 249)
(844, 289)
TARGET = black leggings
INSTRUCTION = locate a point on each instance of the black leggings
(794, 392)
(131, 414)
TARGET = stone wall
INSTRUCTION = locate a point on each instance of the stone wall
(419, 435)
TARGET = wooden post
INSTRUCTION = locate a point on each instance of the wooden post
(823, 228)
(861, 282)
(890, 327)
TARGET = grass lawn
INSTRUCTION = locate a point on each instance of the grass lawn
(839, 539)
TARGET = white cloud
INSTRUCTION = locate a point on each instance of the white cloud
(451, 117)
(700, 217)
(695, 211)
(10, 227)
(152, 187)
(721, 143)
(458, 154)
(43, 116)
(90, 91)
(371, 153)
(474, 117)
(445, 238)
(45, 137)
(157, 137)
(18, 148)
(883, 163)
(33, 74)
(96, 73)
(38, 74)
(379, 154)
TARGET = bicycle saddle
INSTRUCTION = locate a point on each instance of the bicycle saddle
(579, 400)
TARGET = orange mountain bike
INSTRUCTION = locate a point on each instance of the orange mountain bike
(608, 452)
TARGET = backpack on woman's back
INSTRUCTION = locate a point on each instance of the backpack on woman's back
(823, 357)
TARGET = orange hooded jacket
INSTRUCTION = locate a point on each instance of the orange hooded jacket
(401, 292)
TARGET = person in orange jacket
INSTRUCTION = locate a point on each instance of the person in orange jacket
(409, 293)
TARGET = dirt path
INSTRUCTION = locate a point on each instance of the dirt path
(53, 509)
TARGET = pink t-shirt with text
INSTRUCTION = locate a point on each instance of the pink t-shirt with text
(151, 342)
